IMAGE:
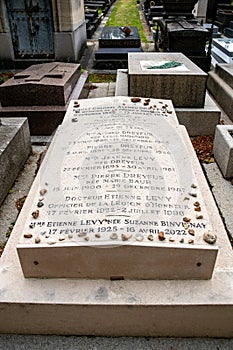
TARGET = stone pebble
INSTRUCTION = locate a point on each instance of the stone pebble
(27, 235)
(210, 237)
(161, 236)
(35, 214)
(139, 238)
(199, 217)
(43, 191)
(52, 241)
(150, 237)
(62, 238)
(135, 99)
(191, 232)
(126, 236)
(114, 236)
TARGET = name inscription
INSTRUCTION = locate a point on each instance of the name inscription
(118, 172)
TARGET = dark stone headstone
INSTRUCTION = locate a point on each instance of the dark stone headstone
(183, 34)
(178, 7)
(42, 93)
(116, 37)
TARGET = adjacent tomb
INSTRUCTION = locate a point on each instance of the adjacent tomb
(222, 50)
(114, 45)
(42, 93)
(179, 30)
(172, 76)
(15, 148)
(122, 201)
(41, 85)
(165, 75)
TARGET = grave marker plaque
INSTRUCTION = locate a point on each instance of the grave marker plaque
(117, 198)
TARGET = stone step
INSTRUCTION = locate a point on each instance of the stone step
(222, 93)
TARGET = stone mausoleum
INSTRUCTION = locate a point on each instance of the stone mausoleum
(42, 29)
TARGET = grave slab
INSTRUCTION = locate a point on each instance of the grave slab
(223, 149)
(43, 120)
(166, 75)
(115, 37)
(201, 308)
(119, 195)
(41, 85)
(198, 121)
(114, 45)
(15, 147)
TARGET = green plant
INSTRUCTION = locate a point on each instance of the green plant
(102, 78)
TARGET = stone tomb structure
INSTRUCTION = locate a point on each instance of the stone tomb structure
(114, 45)
(172, 76)
(42, 93)
(156, 307)
(123, 194)
(166, 75)
(15, 148)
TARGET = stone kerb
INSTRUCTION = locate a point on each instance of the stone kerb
(223, 149)
(123, 181)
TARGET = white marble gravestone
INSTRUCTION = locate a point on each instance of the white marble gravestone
(117, 198)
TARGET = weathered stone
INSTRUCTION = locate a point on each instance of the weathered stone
(41, 85)
(223, 149)
(15, 147)
(198, 121)
(169, 82)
